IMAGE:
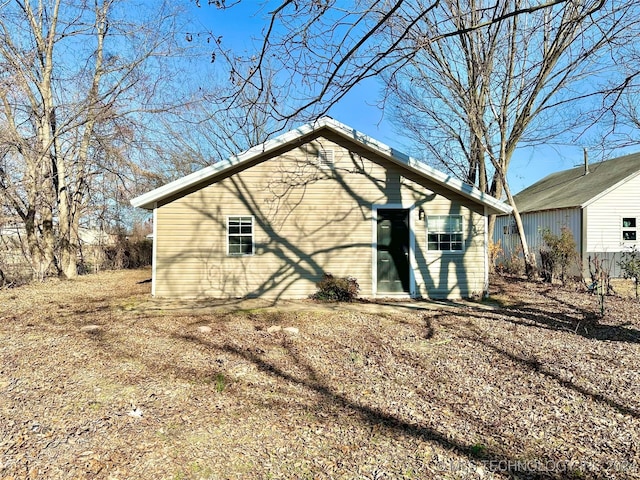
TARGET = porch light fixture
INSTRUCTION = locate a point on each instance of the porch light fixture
(421, 213)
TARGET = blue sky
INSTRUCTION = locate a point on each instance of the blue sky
(358, 110)
(240, 27)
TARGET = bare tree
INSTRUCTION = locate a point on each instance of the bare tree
(209, 128)
(74, 76)
(322, 49)
(481, 78)
(477, 96)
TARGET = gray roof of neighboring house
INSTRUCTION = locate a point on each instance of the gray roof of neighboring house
(572, 188)
(209, 173)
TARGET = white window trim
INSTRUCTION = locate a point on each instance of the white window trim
(446, 252)
(626, 229)
(510, 229)
(485, 292)
(253, 240)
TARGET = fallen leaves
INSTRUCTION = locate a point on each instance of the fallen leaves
(107, 386)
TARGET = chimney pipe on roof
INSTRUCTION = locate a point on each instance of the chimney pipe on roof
(586, 162)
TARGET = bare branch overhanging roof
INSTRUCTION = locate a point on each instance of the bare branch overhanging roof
(574, 189)
(209, 173)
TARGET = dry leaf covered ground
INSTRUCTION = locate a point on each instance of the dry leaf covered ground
(98, 381)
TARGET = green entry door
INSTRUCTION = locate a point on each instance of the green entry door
(393, 251)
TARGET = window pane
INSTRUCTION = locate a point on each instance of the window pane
(234, 245)
(444, 223)
(444, 232)
(629, 222)
(246, 245)
(455, 223)
(435, 224)
(629, 235)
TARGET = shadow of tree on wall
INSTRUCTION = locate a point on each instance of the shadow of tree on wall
(324, 234)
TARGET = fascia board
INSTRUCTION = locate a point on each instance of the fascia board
(418, 167)
(609, 190)
(148, 199)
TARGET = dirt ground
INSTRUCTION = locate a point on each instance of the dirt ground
(97, 380)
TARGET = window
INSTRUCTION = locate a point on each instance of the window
(444, 233)
(510, 229)
(629, 229)
(240, 235)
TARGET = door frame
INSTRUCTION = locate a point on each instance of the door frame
(374, 249)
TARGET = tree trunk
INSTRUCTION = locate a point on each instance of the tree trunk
(529, 258)
(33, 246)
(491, 225)
(50, 265)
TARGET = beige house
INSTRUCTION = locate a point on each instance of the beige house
(321, 198)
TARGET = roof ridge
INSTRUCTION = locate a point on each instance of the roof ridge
(148, 199)
(574, 188)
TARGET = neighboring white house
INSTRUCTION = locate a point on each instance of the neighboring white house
(599, 203)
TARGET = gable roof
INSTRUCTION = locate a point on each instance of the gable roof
(573, 189)
(292, 137)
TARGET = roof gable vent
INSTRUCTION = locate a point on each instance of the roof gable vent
(324, 159)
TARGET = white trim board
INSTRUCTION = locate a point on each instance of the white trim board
(374, 249)
(209, 173)
(154, 251)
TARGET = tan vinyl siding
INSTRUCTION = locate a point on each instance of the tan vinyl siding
(308, 220)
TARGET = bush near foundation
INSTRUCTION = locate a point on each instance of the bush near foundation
(557, 254)
(336, 289)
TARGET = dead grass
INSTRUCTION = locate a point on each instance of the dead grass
(95, 383)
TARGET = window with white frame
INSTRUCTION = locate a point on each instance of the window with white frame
(444, 233)
(240, 235)
(629, 229)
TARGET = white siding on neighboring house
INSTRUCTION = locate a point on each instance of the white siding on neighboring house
(604, 217)
(534, 223)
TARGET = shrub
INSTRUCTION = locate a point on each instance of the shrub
(600, 272)
(557, 254)
(123, 254)
(511, 265)
(336, 289)
(495, 252)
(630, 266)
